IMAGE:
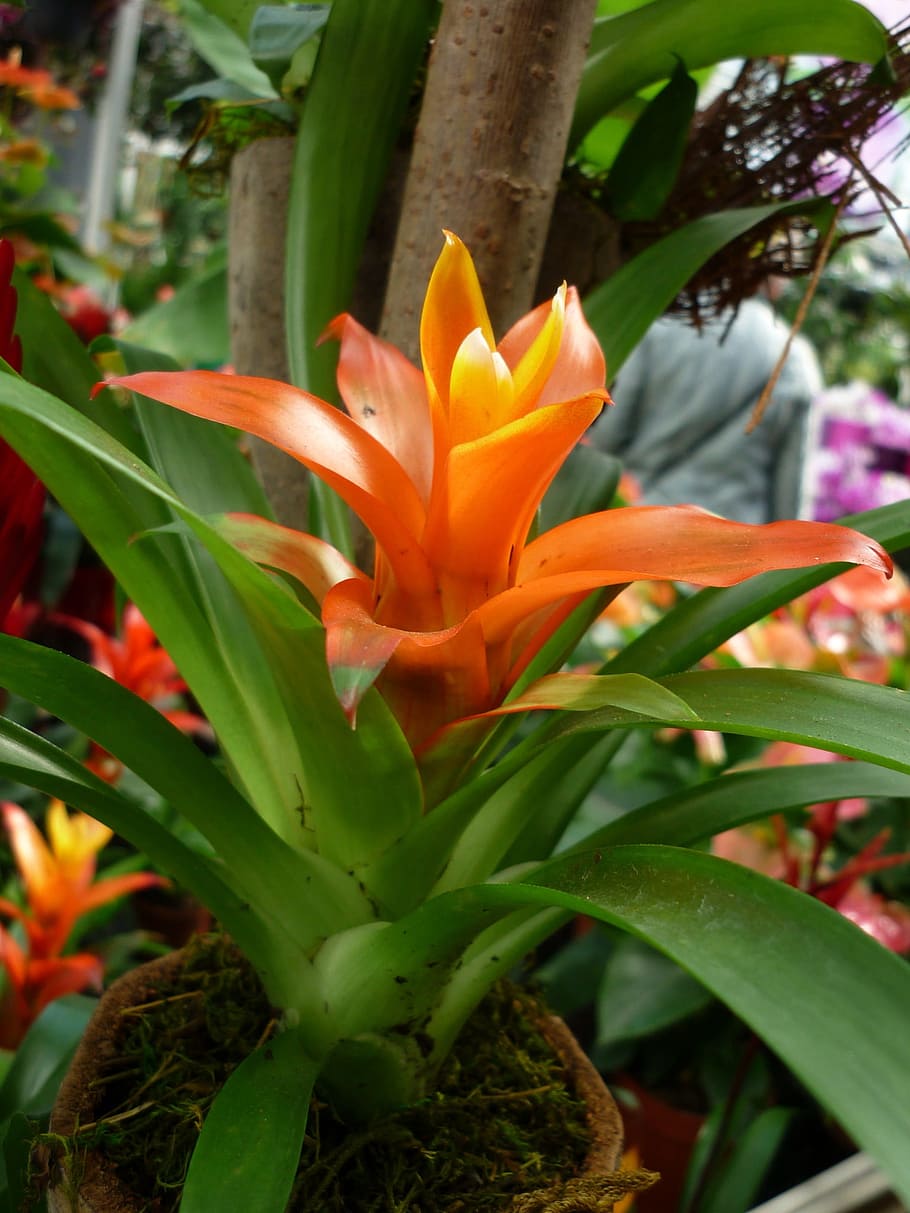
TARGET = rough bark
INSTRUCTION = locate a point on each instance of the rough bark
(260, 185)
(489, 150)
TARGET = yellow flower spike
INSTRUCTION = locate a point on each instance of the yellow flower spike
(75, 840)
(481, 395)
(453, 308)
(533, 369)
(579, 365)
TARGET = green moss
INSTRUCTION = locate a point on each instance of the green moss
(500, 1122)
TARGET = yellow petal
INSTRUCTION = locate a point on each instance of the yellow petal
(481, 396)
(453, 308)
(74, 838)
(537, 362)
(579, 366)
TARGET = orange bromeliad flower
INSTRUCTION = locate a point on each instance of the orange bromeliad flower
(36, 84)
(59, 878)
(60, 886)
(447, 468)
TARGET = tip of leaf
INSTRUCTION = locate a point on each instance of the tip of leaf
(334, 330)
(349, 704)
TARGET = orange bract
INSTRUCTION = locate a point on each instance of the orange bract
(447, 468)
(59, 884)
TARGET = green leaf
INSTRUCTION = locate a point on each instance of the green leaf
(315, 897)
(805, 979)
(53, 358)
(585, 483)
(570, 692)
(637, 48)
(223, 48)
(203, 464)
(697, 625)
(735, 1189)
(278, 31)
(235, 14)
(354, 108)
(17, 1136)
(230, 95)
(31, 1082)
(199, 461)
(249, 1148)
(642, 992)
(38, 764)
(855, 718)
(693, 814)
(622, 309)
(41, 227)
(192, 326)
(648, 162)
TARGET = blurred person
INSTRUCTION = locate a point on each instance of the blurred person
(684, 398)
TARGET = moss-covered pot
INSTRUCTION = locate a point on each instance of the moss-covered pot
(90, 1111)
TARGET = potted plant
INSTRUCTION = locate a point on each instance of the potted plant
(378, 840)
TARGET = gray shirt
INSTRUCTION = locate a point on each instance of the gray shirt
(683, 400)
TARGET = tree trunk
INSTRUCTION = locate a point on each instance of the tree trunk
(489, 151)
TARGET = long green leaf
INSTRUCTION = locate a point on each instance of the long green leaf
(30, 1084)
(805, 979)
(855, 718)
(735, 1190)
(201, 462)
(622, 309)
(314, 897)
(640, 47)
(248, 1151)
(354, 108)
(697, 813)
(38, 764)
(643, 173)
(266, 939)
(53, 358)
(352, 115)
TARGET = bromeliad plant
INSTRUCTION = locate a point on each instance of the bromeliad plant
(381, 846)
(58, 881)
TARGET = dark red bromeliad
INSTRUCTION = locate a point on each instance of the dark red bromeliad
(21, 492)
